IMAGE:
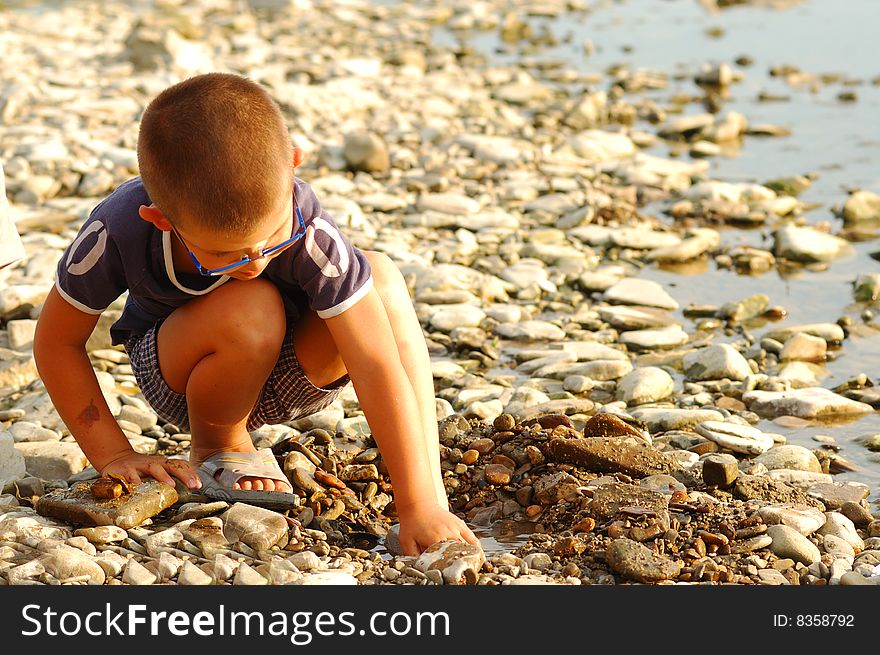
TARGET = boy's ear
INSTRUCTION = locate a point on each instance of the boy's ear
(154, 215)
(298, 157)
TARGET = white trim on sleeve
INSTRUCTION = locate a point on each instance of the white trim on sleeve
(336, 310)
(77, 303)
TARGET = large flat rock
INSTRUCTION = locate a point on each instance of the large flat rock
(77, 505)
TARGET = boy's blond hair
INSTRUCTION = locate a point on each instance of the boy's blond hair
(215, 148)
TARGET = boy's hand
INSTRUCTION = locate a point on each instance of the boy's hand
(132, 465)
(421, 526)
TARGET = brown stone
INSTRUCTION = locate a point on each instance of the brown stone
(77, 505)
(505, 461)
(328, 479)
(609, 425)
(720, 470)
(611, 455)
(568, 546)
(549, 421)
(609, 499)
(730, 404)
(504, 422)
(586, 524)
(638, 562)
(497, 474)
(470, 456)
(482, 446)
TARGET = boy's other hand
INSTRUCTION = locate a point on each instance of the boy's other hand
(422, 526)
(132, 465)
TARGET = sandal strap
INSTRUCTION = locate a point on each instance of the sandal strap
(234, 465)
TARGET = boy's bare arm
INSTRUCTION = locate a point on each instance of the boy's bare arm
(64, 366)
(365, 340)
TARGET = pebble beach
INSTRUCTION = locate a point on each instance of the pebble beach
(626, 392)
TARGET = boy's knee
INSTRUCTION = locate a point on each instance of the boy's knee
(252, 315)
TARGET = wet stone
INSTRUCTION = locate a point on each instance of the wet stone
(835, 494)
(458, 562)
(609, 499)
(611, 455)
(638, 562)
(78, 506)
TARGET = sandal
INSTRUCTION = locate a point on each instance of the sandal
(233, 466)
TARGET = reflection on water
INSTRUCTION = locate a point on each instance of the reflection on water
(503, 536)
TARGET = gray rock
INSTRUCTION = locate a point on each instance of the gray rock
(638, 562)
(52, 460)
(65, 562)
(366, 151)
(790, 457)
(736, 437)
(102, 534)
(624, 317)
(12, 461)
(840, 526)
(144, 419)
(247, 576)
(834, 495)
(645, 385)
(634, 291)
(662, 420)
(336, 578)
(448, 203)
(810, 402)
(257, 527)
(716, 362)
(807, 244)
(861, 206)
(137, 574)
(654, 338)
(804, 347)
(788, 542)
(458, 562)
(447, 318)
(831, 332)
(192, 575)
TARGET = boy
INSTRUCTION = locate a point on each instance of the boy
(246, 306)
(11, 248)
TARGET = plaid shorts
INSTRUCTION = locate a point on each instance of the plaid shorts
(287, 394)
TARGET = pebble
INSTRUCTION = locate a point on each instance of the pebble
(788, 542)
(743, 439)
(810, 403)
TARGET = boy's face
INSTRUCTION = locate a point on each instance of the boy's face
(214, 250)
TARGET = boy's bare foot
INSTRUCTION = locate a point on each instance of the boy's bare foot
(196, 457)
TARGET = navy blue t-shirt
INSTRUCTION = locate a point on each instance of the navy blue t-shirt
(116, 250)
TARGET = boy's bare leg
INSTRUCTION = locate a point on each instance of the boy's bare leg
(320, 360)
(219, 349)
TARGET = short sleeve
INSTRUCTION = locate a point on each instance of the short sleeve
(333, 274)
(90, 273)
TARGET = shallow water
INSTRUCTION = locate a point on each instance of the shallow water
(835, 140)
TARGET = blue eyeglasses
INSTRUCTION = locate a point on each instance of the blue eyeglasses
(245, 259)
